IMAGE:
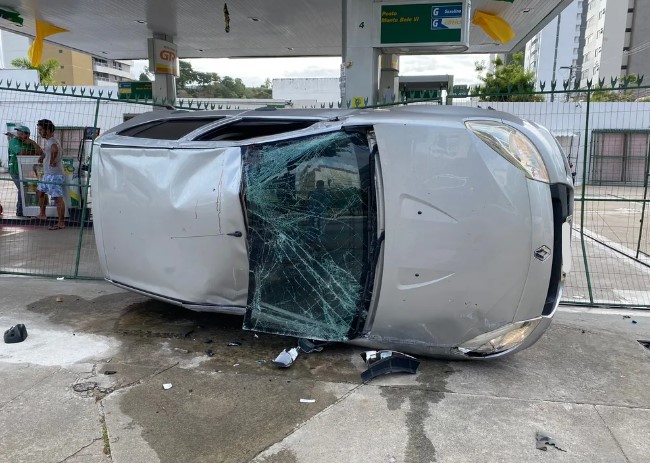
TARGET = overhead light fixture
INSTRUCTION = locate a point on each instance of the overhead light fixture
(105, 52)
(140, 21)
(526, 10)
(254, 19)
(290, 48)
(200, 49)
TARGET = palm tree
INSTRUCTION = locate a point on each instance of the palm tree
(45, 70)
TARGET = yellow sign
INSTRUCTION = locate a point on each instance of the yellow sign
(358, 102)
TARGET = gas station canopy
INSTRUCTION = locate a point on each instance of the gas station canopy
(119, 29)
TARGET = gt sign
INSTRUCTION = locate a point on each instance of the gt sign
(163, 57)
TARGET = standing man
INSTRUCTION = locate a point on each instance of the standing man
(53, 176)
(20, 144)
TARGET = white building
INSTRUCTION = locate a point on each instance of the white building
(555, 53)
(617, 39)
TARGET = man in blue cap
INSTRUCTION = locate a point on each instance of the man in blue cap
(19, 145)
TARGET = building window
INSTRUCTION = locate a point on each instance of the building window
(624, 68)
(630, 10)
(628, 29)
(62, 66)
(626, 48)
(60, 51)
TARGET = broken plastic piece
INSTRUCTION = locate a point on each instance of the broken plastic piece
(634, 322)
(17, 333)
(543, 441)
(59, 299)
(309, 346)
(60, 278)
(209, 353)
(286, 358)
(110, 372)
(387, 361)
(234, 343)
(207, 341)
(307, 401)
(167, 386)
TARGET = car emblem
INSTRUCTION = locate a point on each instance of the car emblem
(542, 253)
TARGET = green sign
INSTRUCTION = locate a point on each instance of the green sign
(421, 23)
(134, 90)
(460, 90)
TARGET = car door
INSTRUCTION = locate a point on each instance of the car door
(310, 220)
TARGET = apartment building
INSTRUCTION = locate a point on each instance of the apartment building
(75, 68)
(555, 53)
(617, 39)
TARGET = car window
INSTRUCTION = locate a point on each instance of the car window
(170, 129)
(307, 205)
(253, 128)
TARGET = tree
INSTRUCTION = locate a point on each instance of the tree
(46, 71)
(511, 76)
(197, 84)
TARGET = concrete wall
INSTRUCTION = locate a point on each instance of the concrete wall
(318, 89)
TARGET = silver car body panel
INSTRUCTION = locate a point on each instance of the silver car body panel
(163, 218)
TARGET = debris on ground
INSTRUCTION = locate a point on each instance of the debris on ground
(17, 333)
(544, 441)
(84, 387)
(309, 346)
(260, 362)
(307, 401)
(59, 299)
(167, 386)
(182, 351)
(110, 372)
(207, 341)
(236, 365)
(634, 322)
(626, 316)
(234, 344)
(286, 358)
(209, 353)
(383, 362)
(61, 278)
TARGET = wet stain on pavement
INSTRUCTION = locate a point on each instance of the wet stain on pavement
(220, 417)
(433, 376)
(283, 456)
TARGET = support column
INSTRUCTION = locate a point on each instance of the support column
(163, 85)
(389, 79)
(360, 67)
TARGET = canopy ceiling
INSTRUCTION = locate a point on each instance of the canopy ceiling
(118, 29)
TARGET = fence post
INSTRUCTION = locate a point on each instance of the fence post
(582, 207)
(645, 196)
(84, 193)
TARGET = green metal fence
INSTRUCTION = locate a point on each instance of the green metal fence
(605, 134)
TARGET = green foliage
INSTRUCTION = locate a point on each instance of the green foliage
(197, 84)
(46, 71)
(508, 82)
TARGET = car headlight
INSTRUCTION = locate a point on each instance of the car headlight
(513, 145)
(505, 338)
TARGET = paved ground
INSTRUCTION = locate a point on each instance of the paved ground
(585, 384)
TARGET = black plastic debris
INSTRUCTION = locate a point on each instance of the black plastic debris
(383, 362)
(209, 353)
(17, 333)
(207, 341)
(309, 346)
(110, 372)
(286, 358)
(544, 441)
(234, 343)
(645, 344)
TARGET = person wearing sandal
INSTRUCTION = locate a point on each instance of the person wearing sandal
(20, 144)
(53, 175)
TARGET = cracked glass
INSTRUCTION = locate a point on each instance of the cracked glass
(309, 227)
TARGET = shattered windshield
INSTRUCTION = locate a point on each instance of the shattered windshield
(307, 205)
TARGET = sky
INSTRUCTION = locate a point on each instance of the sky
(255, 71)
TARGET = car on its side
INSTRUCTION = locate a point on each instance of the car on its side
(438, 231)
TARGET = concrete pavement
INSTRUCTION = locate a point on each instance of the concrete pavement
(585, 384)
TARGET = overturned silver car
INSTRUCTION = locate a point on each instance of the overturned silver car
(440, 231)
